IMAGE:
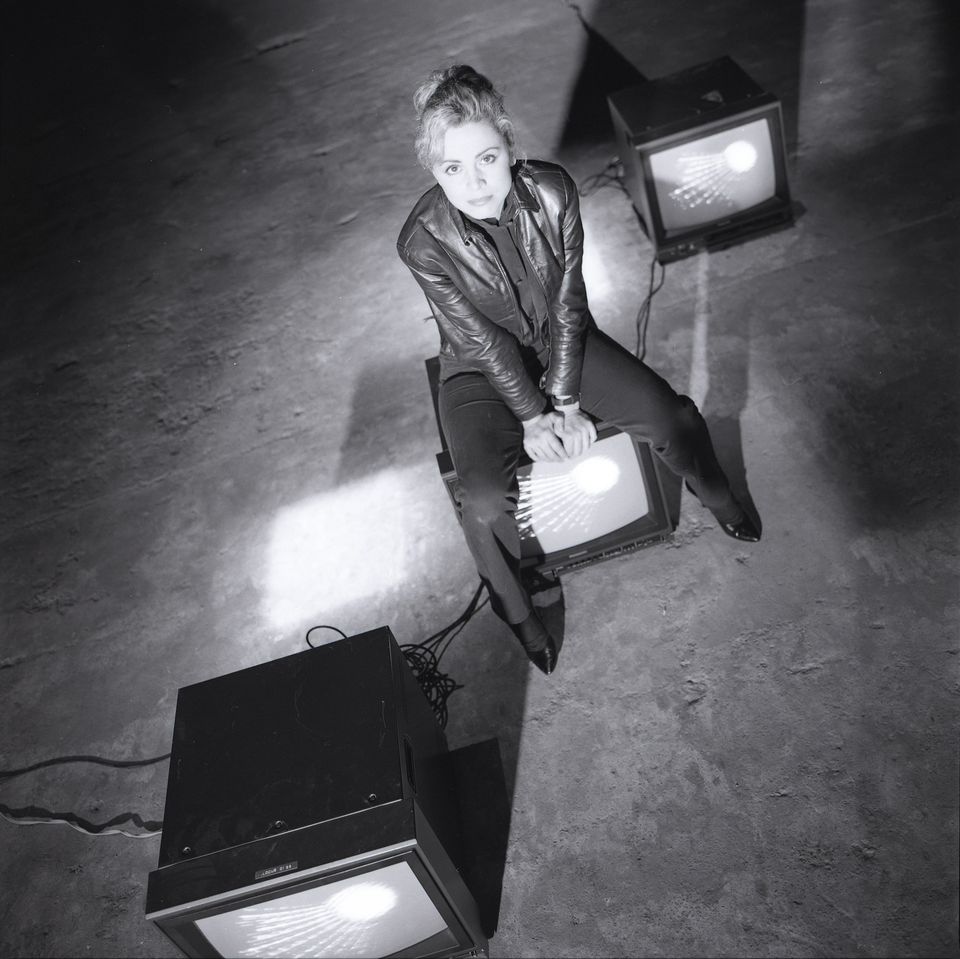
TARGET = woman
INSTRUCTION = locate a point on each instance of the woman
(497, 248)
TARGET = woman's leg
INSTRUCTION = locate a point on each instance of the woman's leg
(623, 391)
(485, 440)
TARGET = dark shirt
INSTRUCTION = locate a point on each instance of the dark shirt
(525, 282)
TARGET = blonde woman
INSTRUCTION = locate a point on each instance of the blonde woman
(497, 247)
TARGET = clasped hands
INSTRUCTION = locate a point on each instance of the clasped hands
(556, 436)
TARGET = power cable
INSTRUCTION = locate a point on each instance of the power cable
(612, 175)
(343, 635)
(38, 816)
(424, 658)
(643, 314)
(103, 761)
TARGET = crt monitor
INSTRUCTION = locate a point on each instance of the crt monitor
(389, 906)
(704, 158)
(606, 502)
(603, 503)
(311, 810)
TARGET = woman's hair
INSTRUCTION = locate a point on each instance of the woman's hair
(450, 98)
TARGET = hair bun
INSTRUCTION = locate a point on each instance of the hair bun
(440, 82)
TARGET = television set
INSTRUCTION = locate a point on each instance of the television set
(704, 159)
(311, 810)
(606, 502)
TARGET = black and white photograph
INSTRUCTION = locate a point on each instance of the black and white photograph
(479, 479)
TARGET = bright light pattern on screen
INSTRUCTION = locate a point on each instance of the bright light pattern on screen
(715, 175)
(740, 156)
(595, 475)
(364, 901)
(564, 504)
(374, 914)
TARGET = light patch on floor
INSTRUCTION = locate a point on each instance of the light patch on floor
(595, 275)
(699, 369)
(341, 546)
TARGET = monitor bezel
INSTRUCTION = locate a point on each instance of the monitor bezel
(720, 230)
(181, 927)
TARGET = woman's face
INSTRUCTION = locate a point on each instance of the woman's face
(474, 169)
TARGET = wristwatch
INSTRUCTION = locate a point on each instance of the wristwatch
(566, 404)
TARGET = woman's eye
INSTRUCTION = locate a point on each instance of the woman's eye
(452, 170)
(488, 158)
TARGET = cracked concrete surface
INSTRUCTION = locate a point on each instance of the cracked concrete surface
(217, 433)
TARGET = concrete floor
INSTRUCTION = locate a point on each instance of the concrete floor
(216, 434)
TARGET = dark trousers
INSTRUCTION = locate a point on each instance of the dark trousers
(486, 439)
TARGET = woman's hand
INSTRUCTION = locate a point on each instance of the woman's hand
(541, 437)
(576, 432)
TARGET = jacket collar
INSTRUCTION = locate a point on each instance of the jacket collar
(523, 198)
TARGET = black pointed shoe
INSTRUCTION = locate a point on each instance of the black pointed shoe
(539, 645)
(546, 659)
(745, 530)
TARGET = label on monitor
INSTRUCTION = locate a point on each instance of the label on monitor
(276, 870)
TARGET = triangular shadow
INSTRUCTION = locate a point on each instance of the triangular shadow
(485, 820)
(604, 70)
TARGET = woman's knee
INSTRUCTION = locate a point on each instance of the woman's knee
(678, 425)
(484, 500)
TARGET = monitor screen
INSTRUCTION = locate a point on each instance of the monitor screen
(716, 175)
(375, 913)
(565, 504)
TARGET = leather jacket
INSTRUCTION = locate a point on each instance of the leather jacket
(482, 328)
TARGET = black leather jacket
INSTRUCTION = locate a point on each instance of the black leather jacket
(481, 325)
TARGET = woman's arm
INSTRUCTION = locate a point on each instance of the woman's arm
(571, 314)
(477, 340)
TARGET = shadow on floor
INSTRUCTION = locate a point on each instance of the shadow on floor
(93, 84)
(390, 413)
(603, 71)
(765, 39)
(485, 820)
(728, 442)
